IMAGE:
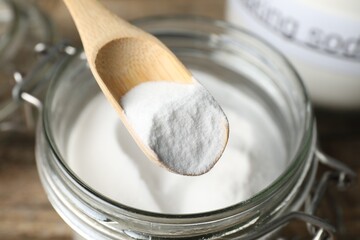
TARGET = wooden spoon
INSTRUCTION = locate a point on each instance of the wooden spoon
(121, 56)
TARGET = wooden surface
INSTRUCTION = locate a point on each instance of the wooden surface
(25, 212)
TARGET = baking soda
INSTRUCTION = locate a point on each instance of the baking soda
(104, 156)
(181, 123)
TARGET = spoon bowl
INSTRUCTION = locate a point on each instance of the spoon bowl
(131, 58)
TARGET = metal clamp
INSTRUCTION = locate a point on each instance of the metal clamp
(29, 87)
(339, 174)
(32, 86)
(318, 228)
(327, 229)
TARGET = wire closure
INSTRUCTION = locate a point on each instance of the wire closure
(339, 174)
(31, 87)
(319, 228)
(342, 174)
(326, 228)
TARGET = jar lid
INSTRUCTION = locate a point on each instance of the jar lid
(22, 26)
(7, 30)
(8, 17)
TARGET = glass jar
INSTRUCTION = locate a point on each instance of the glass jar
(321, 38)
(242, 61)
(22, 26)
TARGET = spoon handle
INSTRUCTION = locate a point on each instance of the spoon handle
(96, 25)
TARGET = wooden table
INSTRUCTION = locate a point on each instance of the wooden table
(25, 212)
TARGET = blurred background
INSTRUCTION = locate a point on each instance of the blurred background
(25, 212)
(132, 9)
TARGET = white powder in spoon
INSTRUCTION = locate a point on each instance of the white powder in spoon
(182, 123)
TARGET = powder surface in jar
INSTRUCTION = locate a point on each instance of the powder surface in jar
(106, 158)
(181, 123)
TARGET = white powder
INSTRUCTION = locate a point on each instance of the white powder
(181, 123)
(103, 155)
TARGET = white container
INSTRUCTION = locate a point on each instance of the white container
(321, 38)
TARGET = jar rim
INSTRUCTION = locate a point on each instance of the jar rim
(306, 142)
